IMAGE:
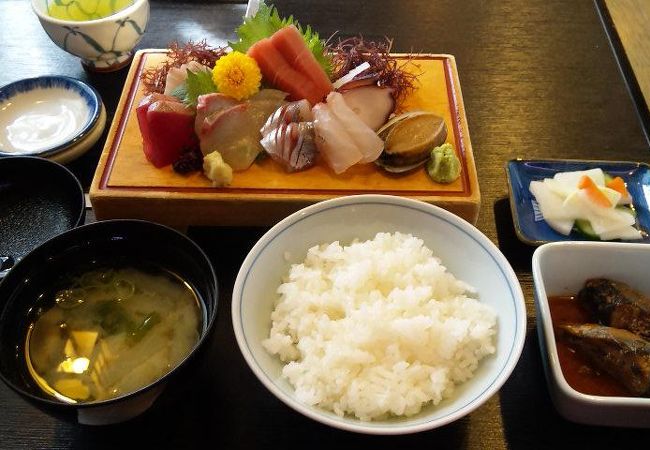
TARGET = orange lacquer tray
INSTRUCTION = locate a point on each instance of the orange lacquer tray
(126, 185)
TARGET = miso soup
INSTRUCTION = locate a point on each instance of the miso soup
(108, 332)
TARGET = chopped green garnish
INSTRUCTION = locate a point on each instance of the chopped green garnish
(266, 22)
(147, 324)
(197, 83)
(113, 318)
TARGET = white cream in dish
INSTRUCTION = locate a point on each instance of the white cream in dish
(41, 119)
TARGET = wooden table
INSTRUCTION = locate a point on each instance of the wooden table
(539, 81)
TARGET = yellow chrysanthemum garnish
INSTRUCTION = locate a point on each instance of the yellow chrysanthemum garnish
(237, 75)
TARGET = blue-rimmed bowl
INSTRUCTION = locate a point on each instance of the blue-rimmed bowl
(52, 116)
(463, 249)
(528, 221)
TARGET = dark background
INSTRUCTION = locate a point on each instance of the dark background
(539, 80)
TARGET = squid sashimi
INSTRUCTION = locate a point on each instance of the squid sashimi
(333, 141)
(299, 111)
(291, 45)
(361, 134)
(279, 73)
(292, 145)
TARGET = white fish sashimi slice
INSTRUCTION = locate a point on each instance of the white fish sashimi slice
(333, 141)
(628, 233)
(177, 75)
(363, 136)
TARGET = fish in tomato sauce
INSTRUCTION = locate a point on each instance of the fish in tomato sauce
(617, 305)
(620, 353)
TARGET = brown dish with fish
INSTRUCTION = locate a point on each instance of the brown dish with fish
(601, 336)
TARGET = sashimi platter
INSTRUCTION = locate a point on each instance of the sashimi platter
(280, 118)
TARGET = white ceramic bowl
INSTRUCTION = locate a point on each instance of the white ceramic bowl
(104, 44)
(561, 269)
(52, 116)
(464, 250)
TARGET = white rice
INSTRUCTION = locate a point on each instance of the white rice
(377, 328)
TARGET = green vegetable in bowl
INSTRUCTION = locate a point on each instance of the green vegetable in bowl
(444, 165)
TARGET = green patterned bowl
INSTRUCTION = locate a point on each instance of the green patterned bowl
(103, 45)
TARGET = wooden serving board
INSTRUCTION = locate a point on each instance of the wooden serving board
(126, 185)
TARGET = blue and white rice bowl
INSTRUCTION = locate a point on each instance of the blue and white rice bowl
(54, 117)
(467, 253)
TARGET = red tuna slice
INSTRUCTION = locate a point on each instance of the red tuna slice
(143, 106)
(291, 45)
(168, 129)
(279, 73)
(209, 104)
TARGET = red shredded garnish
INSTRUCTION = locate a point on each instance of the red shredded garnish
(351, 52)
(154, 78)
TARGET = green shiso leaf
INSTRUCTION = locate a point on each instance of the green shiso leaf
(266, 22)
(197, 83)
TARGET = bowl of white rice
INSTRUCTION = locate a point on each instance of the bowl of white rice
(379, 314)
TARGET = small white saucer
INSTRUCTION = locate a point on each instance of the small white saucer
(79, 148)
(53, 117)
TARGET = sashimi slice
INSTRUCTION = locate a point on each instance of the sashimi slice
(279, 73)
(269, 94)
(333, 142)
(211, 104)
(168, 130)
(299, 111)
(292, 145)
(177, 75)
(291, 45)
(234, 135)
(361, 134)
